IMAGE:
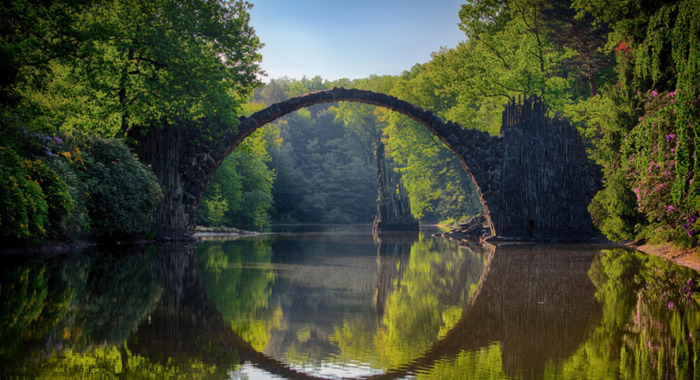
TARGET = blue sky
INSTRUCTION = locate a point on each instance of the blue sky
(352, 38)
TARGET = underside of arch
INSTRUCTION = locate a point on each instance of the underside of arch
(461, 142)
(534, 180)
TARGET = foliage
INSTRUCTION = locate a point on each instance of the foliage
(225, 270)
(612, 209)
(64, 185)
(216, 207)
(123, 193)
(245, 182)
(24, 213)
(104, 67)
(650, 306)
(647, 142)
(56, 194)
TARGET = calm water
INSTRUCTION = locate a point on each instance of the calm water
(336, 302)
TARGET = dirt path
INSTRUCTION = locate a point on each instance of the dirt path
(687, 258)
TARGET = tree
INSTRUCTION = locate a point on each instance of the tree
(216, 207)
(140, 71)
(648, 147)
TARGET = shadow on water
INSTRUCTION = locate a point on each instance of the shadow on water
(303, 306)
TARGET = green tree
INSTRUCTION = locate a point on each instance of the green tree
(245, 181)
(216, 207)
(138, 63)
(648, 143)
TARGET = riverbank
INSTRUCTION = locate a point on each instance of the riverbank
(223, 232)
(687, 257)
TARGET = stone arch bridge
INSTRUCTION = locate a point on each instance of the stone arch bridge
(534, 180)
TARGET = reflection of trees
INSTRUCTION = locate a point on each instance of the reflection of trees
(534, 317)
(323, 304)
(426, 301)
(68, 306)
(238, 278)
(648, 330)
(119, 292)
(534, 306)
(27, 305)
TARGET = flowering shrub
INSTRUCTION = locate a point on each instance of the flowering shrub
(58, 186)
(56, 194)
(23, 208)
(661, 160)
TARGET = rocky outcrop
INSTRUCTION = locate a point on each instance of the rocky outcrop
(472, 230)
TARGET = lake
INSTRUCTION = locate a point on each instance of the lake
(305, 302)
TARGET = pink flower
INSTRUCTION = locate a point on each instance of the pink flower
(654, 93)
(670, 208)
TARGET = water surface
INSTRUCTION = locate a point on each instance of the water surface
(337, 302)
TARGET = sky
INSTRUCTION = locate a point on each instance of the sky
(352, 38)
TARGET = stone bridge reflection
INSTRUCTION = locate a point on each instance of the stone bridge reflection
(537, 305)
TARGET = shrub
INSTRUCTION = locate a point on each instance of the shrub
(75, 219)
(613, 209)
(122, 192)
(23, 208)
(56, 195)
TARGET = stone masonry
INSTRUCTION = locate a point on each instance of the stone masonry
(534, 180)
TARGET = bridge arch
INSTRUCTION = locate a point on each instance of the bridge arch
(534, 180)
(447, 132)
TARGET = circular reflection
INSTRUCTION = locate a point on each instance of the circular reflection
(344, 304)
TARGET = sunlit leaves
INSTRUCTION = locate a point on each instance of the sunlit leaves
(135, 63)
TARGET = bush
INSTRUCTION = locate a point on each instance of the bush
(122, 192)
(56, 195)
(613, 209)
(75, 220)
(23, 207)
(58, 186)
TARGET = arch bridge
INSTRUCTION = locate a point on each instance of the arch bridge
(534, 180)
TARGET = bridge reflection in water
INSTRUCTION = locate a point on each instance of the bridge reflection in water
(343, 304)
(536, 304)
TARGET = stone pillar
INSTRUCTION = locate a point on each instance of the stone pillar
(547, 180)
(393, 206)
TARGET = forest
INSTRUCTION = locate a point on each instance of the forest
(78, 76)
